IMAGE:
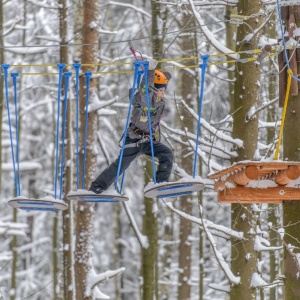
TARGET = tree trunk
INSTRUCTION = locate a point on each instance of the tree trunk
(150, 254)
(68, 277)
(273, 217)
(246, 94)
(230, 43)
(85, 212)
(291, 140)
(187, 87)
(291, 209)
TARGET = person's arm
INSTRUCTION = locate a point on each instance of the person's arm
(168, 72)
(151, 72)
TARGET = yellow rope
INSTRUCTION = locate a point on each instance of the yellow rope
(107, 64)
(286, 99)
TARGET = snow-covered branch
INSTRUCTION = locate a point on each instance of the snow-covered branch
(141, 238)
(209, 35)
(227, 232)
(211, 129)
(94, 279)
(134, 7)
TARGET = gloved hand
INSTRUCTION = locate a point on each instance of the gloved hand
(169, 69)
(152, 63)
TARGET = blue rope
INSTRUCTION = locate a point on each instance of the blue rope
(203, 69)
(77, 67)
(5, 68)
(283, 40)
(140, 73)
(60, 67)
(67, 76)
(14, 77)
(146, 65)
(135, 82)
(87, 86)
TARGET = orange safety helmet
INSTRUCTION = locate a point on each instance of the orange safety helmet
(160, 78)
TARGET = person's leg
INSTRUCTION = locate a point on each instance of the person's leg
(165, 159)
(108, 176)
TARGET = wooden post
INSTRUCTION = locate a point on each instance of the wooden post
(292, 55)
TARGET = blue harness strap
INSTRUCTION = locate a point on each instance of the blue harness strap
(140, 67)
(15, 160)
(87, 96)
(203, 67)
(60, 76)
(14, 77)
(77, 68)
(67, 76)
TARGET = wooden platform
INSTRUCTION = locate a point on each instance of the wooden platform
(258, 182)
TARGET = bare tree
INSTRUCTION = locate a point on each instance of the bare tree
(291, 141)
(246, 93)
(85, 212)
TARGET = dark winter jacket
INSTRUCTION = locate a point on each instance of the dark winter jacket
(139, 115)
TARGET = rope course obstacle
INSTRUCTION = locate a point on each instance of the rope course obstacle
(267, 181)
(47, 203)
(81, 194)
(244, 182)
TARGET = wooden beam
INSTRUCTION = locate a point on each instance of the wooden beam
(246, 175)
(288, 175)
(240, 178)
(242, 194)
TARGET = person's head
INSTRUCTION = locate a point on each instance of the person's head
(160, 83)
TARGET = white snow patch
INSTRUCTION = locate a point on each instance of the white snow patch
(257, 281)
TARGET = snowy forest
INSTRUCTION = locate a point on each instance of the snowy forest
(245, 103)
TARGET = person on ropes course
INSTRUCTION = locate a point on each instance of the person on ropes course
(137, 140)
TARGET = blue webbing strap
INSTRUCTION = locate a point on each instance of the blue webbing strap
(203, 69)
(5, 68)
(87, 86)
(77, 67)
(67, 76)
(135, 82)
(146, 65)
(60, 75)
(14, 77)
(140, 72)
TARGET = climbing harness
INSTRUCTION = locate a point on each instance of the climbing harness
(185, 186)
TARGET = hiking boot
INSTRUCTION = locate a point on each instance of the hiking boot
(96, 190)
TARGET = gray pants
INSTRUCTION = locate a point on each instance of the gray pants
(161, 151)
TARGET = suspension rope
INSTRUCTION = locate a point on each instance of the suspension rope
(146, 66)
(286, 99)
(67, 76)
(87, 96)
(283, 40)
(77, 67)
(5, 68)
(60, 68)
(135, 77)
(14, 77)
(203, 67)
